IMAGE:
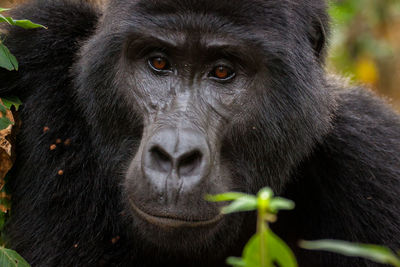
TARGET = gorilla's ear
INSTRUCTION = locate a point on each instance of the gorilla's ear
(317, 37)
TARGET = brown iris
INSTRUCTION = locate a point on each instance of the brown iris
(159, 63)
(222, 72)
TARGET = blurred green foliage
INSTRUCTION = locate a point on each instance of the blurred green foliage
(365, 42)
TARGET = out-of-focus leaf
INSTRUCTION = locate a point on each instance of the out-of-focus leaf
(4, 123)
(278, 203)
(3, 108)
(236, 262)
(10, 101)
(245, 203)
(3, 9)
(375, 253)
(24, 23)
(7, 60)
(275, 251)
(27, 24)
(344, 12)
(5, 19)
(10, 258)
(279, 251)
(230, 196)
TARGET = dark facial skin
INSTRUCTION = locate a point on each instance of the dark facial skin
(194, 85)
(210, 94)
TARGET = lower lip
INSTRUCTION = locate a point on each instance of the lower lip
(173, 223)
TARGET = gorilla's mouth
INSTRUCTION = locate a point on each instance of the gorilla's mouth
(173, 222)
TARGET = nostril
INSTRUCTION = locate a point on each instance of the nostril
(160, 159)
(189, 163)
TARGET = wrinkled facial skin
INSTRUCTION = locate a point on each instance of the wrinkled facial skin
(212, 99)
(186, 110)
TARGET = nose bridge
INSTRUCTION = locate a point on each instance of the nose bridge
(197, 107)
(183, 101)
(185, 92)
(184, 112)
(185, 98)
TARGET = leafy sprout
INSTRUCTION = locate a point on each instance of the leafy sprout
(264, 249)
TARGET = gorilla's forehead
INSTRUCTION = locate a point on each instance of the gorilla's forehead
(198, 20)
(233, 9)
(204, 14)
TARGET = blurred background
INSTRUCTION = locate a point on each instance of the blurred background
(364, 45)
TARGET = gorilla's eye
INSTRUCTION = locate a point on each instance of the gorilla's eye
(159, 64)
(222, 73)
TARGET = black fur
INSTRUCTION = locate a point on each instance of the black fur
(333, 149)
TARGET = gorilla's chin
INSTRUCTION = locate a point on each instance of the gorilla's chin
(175, 221)
(173, 233)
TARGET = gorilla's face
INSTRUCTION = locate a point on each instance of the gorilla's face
(189, 85)
(229, 96)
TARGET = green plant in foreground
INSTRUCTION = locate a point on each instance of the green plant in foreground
(7, 60)
(264, 249)
(375, 253)
(8, 257)
(5, 104)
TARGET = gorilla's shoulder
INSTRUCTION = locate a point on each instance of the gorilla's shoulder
(360, 108)
(365, 132)
(44, 54)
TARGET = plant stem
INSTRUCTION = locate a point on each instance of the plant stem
(262, 228)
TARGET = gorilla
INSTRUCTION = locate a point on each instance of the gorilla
(134, 112)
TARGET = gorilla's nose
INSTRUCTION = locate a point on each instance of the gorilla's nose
(176, 154)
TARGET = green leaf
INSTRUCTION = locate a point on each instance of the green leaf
(23, 23)
(275, 252)
(10, 258)
(278, 203)
(3, 9)
(4, 123)
(27, 24)
(3, 109)
(6, 19)
(230, 196)
(236, 262)
(279, 251)
(375, 253)
(245, 203)
(7, 60)
(10, 101)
